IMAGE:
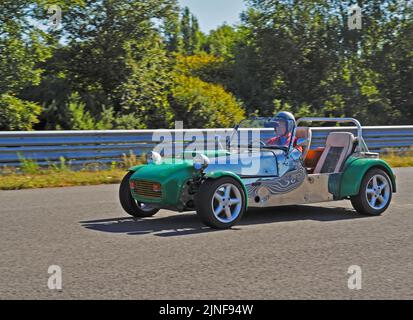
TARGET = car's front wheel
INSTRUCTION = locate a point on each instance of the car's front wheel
(375, 193)
(221, 203)
(130, 205)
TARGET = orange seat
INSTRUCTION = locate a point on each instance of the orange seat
(313, 156)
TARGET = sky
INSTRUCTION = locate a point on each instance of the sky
(213, 13)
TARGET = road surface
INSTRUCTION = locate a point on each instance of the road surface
(297, 252)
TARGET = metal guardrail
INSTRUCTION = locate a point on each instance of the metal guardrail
(83, 147)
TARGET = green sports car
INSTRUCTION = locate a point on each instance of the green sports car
(220, 185)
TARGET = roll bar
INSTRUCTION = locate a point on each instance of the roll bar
(362, 146)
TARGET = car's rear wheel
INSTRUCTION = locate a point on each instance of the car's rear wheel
(221, 203)
(130, 205)
(375, 193)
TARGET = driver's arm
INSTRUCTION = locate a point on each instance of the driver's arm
(273, 141)
(299, 148)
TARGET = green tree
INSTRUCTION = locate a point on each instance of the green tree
(197, 100)
(302, 53)
(145, 93)
(172, 33)
(17, 114)
(204, 105)
(143, 63)
(24, 50)
(192, 37)
(207, 67)
(80, 119)
(221, 42)
(115, 58)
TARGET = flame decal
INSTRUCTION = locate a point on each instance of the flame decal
(289, 182)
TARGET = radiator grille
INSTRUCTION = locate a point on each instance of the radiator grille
(145, 189)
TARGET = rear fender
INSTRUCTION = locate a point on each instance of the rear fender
(354, 172)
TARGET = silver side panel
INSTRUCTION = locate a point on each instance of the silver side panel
(257, 163)
(295, 188)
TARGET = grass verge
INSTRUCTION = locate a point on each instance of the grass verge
(397, 161)
(31, 176)
(54, 179)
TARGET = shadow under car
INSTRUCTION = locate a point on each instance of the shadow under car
(188, 223)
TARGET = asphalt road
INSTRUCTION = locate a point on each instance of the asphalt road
(298, 252)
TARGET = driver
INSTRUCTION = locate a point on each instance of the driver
(284, 127)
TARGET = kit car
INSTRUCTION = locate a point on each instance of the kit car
(221, 185)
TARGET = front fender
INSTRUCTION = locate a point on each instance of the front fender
(136, 168)
(354, 171)
(219, 174)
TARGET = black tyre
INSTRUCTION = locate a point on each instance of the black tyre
(221, 203)
(375, 194)
(130, 205)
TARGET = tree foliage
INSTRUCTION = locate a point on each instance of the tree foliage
(199, 102)
(17, 114)
(303, 54)
(132, 64)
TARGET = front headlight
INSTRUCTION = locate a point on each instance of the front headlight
(201, 161)
(153, 157)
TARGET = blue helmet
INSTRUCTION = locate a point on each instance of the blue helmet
(288, 117)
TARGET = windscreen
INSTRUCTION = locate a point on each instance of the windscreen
(257, 123)
(255, 138)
